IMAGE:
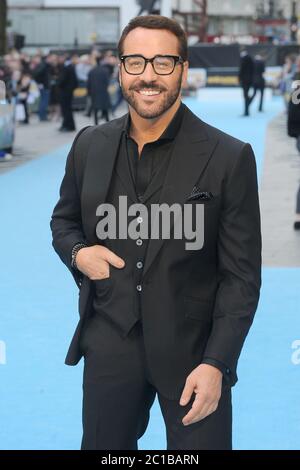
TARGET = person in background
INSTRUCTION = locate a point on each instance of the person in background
(83, 68)
(293, 121)
(23, 89)
(54, 72)
(246, 78)
(286, 79)
(259, 80)
(297, 221)
(25, 61)
(118, 94)
(40, 74)
(98, 82)
(94, 57)
(293, 127)
(109, 61)
(67, 83)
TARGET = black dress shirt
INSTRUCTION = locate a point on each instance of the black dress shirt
(154, 154)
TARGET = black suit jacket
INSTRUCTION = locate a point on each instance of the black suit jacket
(67, 80)
(246, 70)
(97, 85)
(194, 304)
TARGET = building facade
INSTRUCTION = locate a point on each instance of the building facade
(66, 23)
(242, 20)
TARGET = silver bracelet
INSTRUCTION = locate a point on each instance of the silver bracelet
(75, 250)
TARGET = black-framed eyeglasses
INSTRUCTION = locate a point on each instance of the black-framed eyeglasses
(135, 64)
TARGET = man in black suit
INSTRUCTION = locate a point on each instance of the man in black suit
(159, 315)
(67, 83)
(259, 82)
(246, 78)
(97, 86)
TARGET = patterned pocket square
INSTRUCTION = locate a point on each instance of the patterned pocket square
(197, 194)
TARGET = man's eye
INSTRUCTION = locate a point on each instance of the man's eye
(163, 63)
(136, 63)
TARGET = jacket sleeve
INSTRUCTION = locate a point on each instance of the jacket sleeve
(65, 222)
(239, 263)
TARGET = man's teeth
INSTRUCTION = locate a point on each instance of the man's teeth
(149, 92)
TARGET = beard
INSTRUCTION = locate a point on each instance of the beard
(154, 110)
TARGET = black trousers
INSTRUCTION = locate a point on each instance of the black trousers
(261, 89)
(247, 100)
(103, 115)
(118, 393)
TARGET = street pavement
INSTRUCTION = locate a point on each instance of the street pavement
(42, 138)
(278, 188)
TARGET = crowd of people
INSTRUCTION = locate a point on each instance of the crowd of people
(51, 81)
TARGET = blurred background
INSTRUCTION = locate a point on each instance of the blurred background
(58, 73)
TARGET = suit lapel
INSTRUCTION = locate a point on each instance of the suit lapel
(101, 157)
(190, 156)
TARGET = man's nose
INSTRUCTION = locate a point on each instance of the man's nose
(149, 74)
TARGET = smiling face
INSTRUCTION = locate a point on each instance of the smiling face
(150, 94)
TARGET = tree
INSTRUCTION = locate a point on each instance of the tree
(3, 20)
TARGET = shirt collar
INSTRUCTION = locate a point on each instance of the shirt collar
(171, 130)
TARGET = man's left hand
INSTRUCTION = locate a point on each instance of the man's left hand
(206, 382)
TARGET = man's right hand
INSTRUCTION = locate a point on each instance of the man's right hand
(94, 261)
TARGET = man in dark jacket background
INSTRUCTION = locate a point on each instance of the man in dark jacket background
(97, 85)
(259, 80)
(293, 127)
(246, 78)
(67, 83)
(41, 74)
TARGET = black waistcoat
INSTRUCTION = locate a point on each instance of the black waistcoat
(117, 297)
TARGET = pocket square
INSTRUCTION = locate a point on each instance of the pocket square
(197, 194)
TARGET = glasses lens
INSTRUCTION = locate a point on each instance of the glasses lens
(163, 65)
(134, 65)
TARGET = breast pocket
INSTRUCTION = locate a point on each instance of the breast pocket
(213, 201)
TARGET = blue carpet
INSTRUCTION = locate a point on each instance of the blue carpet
(40, 398)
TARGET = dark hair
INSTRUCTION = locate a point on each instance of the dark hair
(156, 22)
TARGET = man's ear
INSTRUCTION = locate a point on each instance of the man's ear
(120, 80)
(185, 74)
